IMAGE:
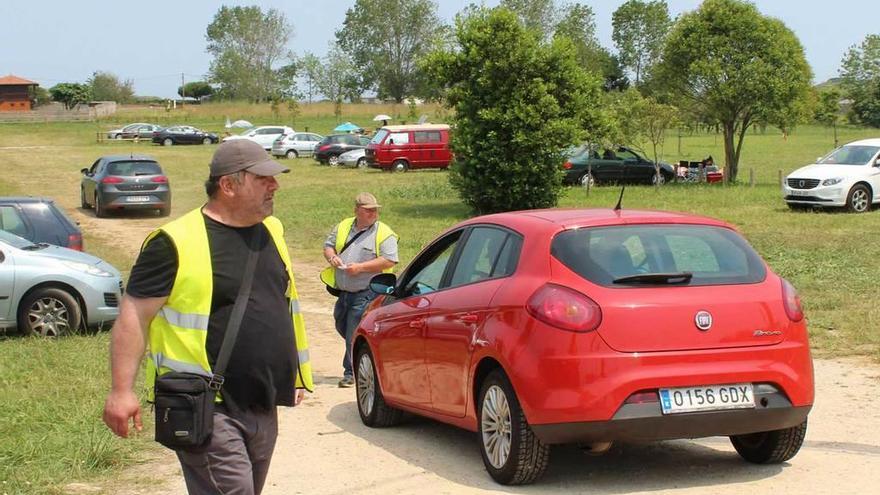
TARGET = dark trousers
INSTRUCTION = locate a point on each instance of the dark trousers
(236, 460)
(348, 312)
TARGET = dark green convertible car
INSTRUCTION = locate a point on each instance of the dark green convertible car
(591, 165)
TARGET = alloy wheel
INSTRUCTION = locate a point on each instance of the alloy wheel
(366, 384)
(495, 418)
(859, 200)
(48, 317)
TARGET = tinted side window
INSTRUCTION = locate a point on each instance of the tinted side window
(11, 221)
(426, 136)
(627, 155)
(426, 272)
(479, 255)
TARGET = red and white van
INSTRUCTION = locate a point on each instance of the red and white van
(399, 148)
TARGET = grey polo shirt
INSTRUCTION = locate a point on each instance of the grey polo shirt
(361, 250)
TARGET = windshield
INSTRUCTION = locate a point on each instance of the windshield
(14, 240)
(850, 155)
(379, 137)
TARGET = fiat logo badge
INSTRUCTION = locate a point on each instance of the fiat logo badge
(703, 320)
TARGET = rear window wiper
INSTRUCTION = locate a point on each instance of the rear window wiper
(656, 278)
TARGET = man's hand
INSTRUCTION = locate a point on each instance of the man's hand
(119, 408)
(300, 395)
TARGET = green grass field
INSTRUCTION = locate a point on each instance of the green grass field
(51, 392)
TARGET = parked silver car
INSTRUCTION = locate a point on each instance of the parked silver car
(354, 158)
(51, 291)
(296, 144)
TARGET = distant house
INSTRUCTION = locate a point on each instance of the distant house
(15, 94)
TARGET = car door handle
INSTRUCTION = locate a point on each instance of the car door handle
(468, 318)
(417, 323)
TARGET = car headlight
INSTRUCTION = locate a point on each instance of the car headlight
(832, 181)
(87, 268)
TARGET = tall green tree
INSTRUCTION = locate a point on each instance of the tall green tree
(385, 39)
(338, 78)
(540, 15)
(507, 131)
(860, 79)
(195, 89)
(639, 30)
(106, 86)
(734, 66)
(311, 71)
(827, 111)
(71, 94)
(251, 58)
(577, 23)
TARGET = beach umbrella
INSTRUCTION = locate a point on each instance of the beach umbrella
(346, 127)
(244, 124)
(384, 118)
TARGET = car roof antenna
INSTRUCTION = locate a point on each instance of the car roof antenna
(620, 199)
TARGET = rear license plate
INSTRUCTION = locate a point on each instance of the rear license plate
(707, 398)
(137, 199)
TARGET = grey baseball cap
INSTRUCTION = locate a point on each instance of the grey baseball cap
(243, 154)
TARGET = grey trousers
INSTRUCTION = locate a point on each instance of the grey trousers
(236, 460)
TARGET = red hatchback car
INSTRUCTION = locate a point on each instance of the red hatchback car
(542, 327)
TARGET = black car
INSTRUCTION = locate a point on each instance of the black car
(591, 164)
(39, 220)
(327, 150)
(125, 182)
(183, 134)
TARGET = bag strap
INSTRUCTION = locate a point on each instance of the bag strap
(350, 241)
(234, 322)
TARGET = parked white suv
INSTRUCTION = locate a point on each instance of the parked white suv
(847, 177)
(263, 135)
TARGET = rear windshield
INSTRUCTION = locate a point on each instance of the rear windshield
(130, 169)
(713, 255)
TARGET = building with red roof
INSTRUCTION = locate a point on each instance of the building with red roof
(16, 94)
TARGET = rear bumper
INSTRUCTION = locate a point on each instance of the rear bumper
(121, 200)
(645, 422)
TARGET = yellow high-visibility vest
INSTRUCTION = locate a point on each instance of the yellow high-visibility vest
(328, 275)
(179, 330)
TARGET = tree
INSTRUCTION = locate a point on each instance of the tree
(195, 89)
(639, 29)
(539, 15)
(337, 78)
(248, 45)
(311, 71)
(40, 95)
(578, 25)
(641, 121)
(828, 110)
(733, 66)
(385, 39)
(860, 79)
(105, 86)
(508, 130)
(71, 94)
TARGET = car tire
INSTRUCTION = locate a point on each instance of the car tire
(167, 142)
(511, 452)
(770, 447)
(859, 199)
(333, 160)
(373, 409)
(587, 180)
(399, 166)
(100, 211)
(207, 140)
(49, 312)
(165, 211)
(362, 162)
(82, 199)
(291, 154)
(118, 136)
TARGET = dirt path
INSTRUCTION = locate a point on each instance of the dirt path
(324, 449)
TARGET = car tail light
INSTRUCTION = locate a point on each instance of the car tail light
(567, 165)
(324, 147)
(160, 179)
(792, 302)
(75, 242)
(564, 308)
(645, 396)
(111, 180)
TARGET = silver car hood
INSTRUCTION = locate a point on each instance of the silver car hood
(64, 254)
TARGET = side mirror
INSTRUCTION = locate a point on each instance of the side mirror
(383, 283)
(877, 162)
(84, 171)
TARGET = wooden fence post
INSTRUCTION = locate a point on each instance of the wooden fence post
(751, 177)
(779, 173)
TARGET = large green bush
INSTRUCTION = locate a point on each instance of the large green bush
(519, 102)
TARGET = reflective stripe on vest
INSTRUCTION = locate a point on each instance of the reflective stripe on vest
(178, 332)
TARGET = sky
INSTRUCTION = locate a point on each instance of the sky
(156, 43)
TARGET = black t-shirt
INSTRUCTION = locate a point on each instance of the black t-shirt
(263, 364)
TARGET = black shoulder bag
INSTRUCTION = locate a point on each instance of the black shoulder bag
(333, 290)
(184, 402)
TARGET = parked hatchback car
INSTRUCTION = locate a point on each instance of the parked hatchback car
(51, 291)
(263, 135)
(327, 150)
(183, 134)
(125, 182)
(142, 131)
(296, 144)
(543, 327)
(354, 158)
(39, 220)
(118, 132)
(590, 164)
(847, 177)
